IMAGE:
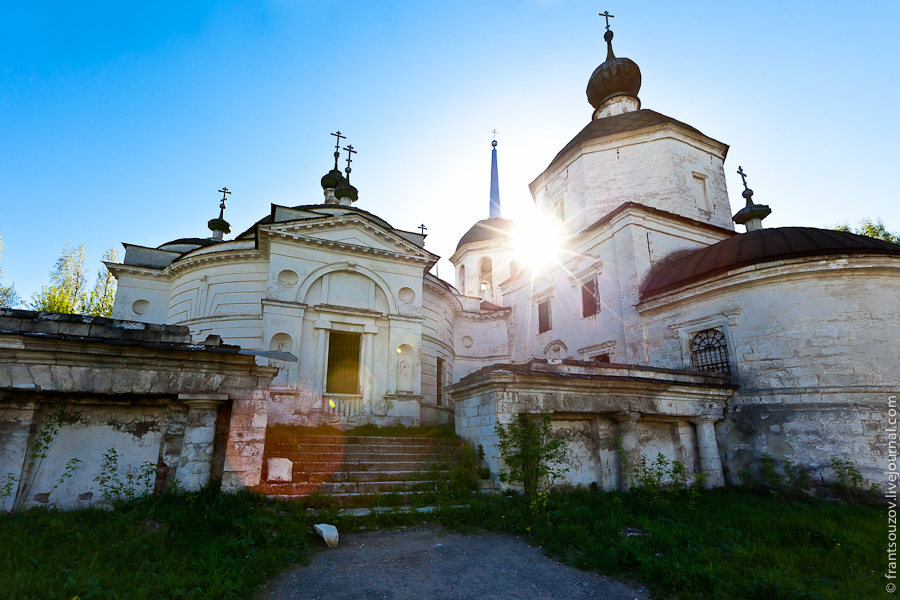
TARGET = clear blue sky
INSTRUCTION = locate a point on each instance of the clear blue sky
(120, 120)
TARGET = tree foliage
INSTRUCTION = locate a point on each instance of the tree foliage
(68, 290)
(8, 296)
(874, 229)
(533, 457)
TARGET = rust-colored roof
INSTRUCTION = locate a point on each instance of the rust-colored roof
(762, 245)
(630, 121)
(487, 229)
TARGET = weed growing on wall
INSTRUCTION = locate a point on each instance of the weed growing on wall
(533, 457)
(138, 481)
(660, 476)
(38, 446)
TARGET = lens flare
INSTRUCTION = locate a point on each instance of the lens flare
(539, 241)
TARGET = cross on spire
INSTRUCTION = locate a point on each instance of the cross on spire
(494, 131)
(743, 176)
(224, 191)
(422, 228)
(350, 153)
(337, 147)
(605, 14)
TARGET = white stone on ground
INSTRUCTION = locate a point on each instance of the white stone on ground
(280, 469)
(329, 533)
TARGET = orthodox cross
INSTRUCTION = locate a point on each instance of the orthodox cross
(605, 14)
(224, 191)
(494, 131)
(743, 176)
(422, 228)
(337, 147)
(350, 153)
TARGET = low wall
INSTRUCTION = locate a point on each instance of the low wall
(76, 388)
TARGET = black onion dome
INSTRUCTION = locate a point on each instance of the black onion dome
(760, 246)
(488, 229)
(332, 179)
(615, 77)
(345, 190)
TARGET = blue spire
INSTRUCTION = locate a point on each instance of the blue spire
(495, 183)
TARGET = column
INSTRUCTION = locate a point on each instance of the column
(631, 451)
(686, 448)
(321, 360)
(710, 463)
(197, 447)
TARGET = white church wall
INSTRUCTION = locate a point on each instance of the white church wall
(655, 168)
(479, 342)
(141, 298)
(437, 343)
(618, 257)
(813, 346)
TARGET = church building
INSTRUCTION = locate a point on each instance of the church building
(655, 326)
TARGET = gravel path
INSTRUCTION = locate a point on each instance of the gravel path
(427, 561)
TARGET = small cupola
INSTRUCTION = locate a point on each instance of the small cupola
(614, 85)
(751, 215)
(336, 184)
(219, 226)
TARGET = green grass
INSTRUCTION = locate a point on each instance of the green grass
(203, 545)
(722, 544)
(726, 544)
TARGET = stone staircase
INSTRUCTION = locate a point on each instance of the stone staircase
(350, 469)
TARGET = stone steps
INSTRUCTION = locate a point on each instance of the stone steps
(352, 468)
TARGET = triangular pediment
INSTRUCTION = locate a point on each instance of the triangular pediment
(350, 233)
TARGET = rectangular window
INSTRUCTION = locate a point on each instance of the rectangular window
(343, 362)
(700, 192)
(589, 304)
(440, 382)
(544, 316)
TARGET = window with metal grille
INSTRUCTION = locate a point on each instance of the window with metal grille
(544, 316)
(709, 351)
(343, 363)
(589, 304)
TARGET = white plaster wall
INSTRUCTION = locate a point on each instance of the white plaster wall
(814, 345)
(131, 288)
(653, 168)
(501, 253)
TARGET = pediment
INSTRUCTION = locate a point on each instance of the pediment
(351, 233)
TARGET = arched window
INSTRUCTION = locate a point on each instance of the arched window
(486, 274)
(462, 280)
(709, 352)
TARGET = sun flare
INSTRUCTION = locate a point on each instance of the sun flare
(538, 241)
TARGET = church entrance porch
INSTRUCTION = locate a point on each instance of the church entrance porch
(644, 411)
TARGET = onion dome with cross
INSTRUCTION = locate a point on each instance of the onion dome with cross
(614, 85)
(335, 184)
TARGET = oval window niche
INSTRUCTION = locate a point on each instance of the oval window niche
(406, 295)
(288, 278)
(141, 307)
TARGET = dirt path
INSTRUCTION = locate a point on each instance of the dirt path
(427, 561)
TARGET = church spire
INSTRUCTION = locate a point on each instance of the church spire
(613, 87)
(495, 181)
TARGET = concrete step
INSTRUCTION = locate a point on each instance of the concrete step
(371, 465)
(279, 438)
(364, 457)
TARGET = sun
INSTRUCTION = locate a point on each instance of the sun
(538, 241)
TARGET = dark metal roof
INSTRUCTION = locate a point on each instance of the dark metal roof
(762, 245)
(189, 242)
(630, 121)
(487, 229)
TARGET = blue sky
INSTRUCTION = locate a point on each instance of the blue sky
(120, 120)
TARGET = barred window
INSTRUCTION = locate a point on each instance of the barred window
(709, 352)
(343, 363)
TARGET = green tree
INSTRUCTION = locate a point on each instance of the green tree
(100, 302)
(533, 457)
(8, 295)
(67, 292)
(873, 229)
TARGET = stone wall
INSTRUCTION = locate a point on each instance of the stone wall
(652, 411)
(813, 347)
(141, 390)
